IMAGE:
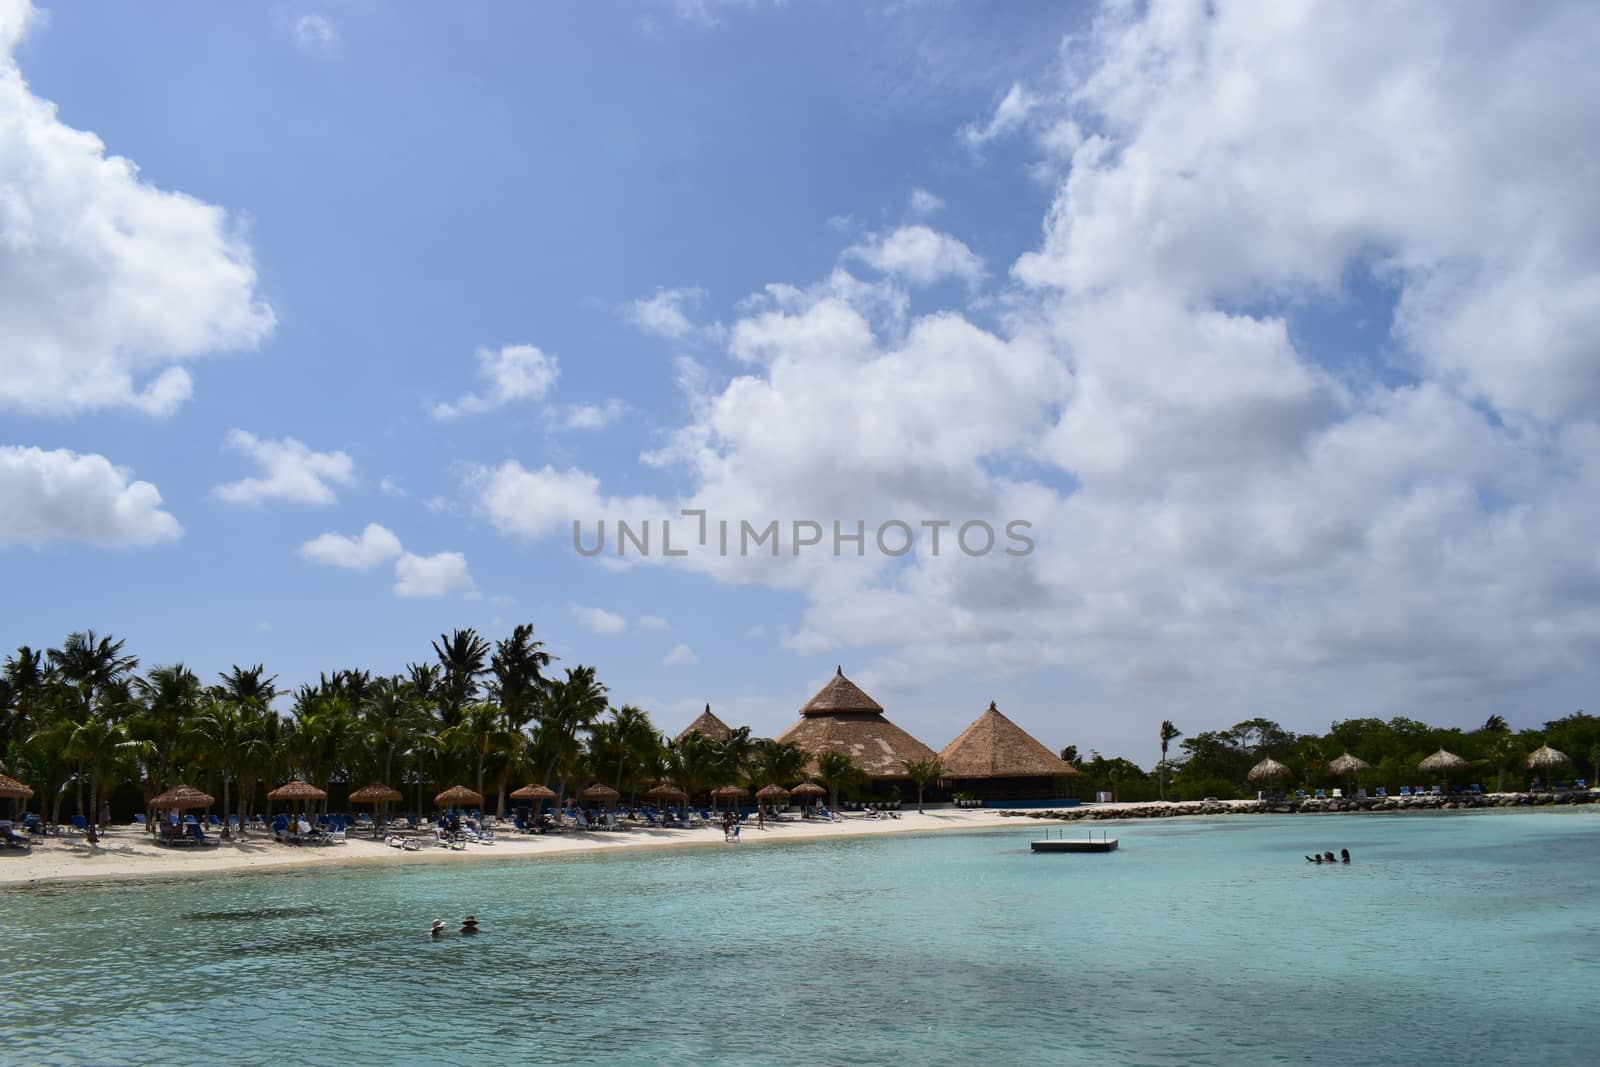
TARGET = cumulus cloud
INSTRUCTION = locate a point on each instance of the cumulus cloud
(51, 497)
(666, 314)
(653, 622)
(593, 416)
(1008, 117)
(107, 283)
(315, 34)
(291, 471)
(1221, 499)
(923, 203)
(921, 256)
(513, 373)
(375, 545)
(431, 576)
(681, 656)
(598, 620)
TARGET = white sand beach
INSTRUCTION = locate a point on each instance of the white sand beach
(126, 852)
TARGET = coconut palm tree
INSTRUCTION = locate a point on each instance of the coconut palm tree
(1169, 733)
(696, 763)
(90, 663)
(1500, 752)
(923, 773)
(777, 763)
(96, 740)
(23, 680)
(572, 706)
(518, 685)
(836, 770)
(1496, 724)
(169, 696)
(463, 659)
(479, 734)
(627, 742)
(220, 732)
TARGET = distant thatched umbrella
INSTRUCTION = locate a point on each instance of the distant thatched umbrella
(1348, 766)
(181, 798)
(10, 787)
(304, 792)
(1442, 763)
(378, 795)
(601, 792)
(537, 793)
(808, 790)
(731, 793)
(1545, 759)
(456, 796)
(771, 792)
(1267, 770)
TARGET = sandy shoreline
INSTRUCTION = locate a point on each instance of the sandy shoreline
(126, 853)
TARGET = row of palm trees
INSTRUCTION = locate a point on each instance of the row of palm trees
(79, 722)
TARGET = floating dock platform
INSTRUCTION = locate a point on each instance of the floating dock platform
(1076, 844)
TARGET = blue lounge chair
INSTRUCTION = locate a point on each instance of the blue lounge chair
(197, 833)
(80, 824)
(1405, 790)
(138, 820)
(1436, 791)
(1381, 791)
(1475, 790)
(1321, 795)
(1581, 783)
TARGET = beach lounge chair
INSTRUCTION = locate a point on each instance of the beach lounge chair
(1436, 791)
(1405, 790)
(1321, 795)
(9, 838)
(1380, 792)
(80, 824)
(1581, 783)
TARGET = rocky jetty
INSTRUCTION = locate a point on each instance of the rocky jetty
(1310, 806)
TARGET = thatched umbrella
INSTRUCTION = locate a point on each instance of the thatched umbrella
(1442, 763)
(601, 792)
(731, 793)
(537, 793)
(181, 798)
(1348, 767)
(10, 787)
(456, 796)
(299, 790)
(1269, 770)
(378, 795)
(809, 790)
(667, 791)
(1545, 759)
(773, 795)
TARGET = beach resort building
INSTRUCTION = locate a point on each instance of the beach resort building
(842, 718)
(995, 759)
(707, 725)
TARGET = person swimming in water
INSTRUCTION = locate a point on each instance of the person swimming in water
(1344, 855)
(469, 925)
(438, 928)
(1313, 859)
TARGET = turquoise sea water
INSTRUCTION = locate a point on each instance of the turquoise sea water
(1456, 938)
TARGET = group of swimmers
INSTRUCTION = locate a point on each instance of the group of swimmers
(1327, 857)
(469, 925)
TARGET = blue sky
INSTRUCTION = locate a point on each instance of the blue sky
(1299, 435)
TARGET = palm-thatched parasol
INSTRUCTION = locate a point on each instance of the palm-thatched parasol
(10, 787)
(1267, 770)
(457, 796)
(299, 790)
(537, 793)
(1545, 759)
(808, 790)
(771, 792)
(182, 797)
(601, 792)
(731, 793)
(1442, 763)
(1348, 766)
(376, 794)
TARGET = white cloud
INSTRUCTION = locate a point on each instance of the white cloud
(431, 576)
(1220, 497)
(709, 13)
(653, 622)
(1008, 117)
(375, 545)
(292, 472)
(438, 504)
(315, 34)
(598, 620)
(513, 373)
(756, 632)
(593, 416)
(681, 656)
(923, 203)
(61, 496)
(107, 284)
(664, 314)
(921, 256)
(390, 486)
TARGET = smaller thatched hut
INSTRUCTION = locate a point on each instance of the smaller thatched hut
(997, 760)
(707, 725)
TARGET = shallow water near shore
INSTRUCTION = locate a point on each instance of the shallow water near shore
(1468, 936)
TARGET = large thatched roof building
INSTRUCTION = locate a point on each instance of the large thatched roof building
(996, 759)
(707, 725)
(841, 718)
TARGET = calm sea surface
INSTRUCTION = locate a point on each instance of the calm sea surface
(1457, 938)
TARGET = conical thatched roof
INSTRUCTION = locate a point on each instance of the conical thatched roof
(1545, 758)
(534, 792)
(297, 791)
(808, 789)
(726, 791)
(456, 796)
(10, 787)
(840, 694)
(599, 791)
(1268, 769)
(995, 747)
(841, 718)
(376, 793)
(707, 725)
(1348, 764)
(667, 790)
(181, 797)
(771, 792)
(1442, 761)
